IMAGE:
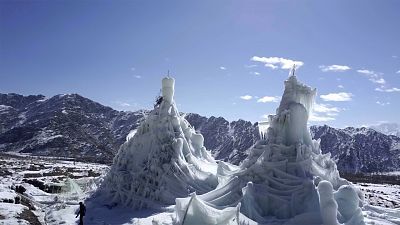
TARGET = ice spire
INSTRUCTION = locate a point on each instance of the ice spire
(164, 160)
(168, 84)
(297, 92)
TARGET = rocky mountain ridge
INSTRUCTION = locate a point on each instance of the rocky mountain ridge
(63, 125)
(73, 126)
(387, 128)
(358, 150)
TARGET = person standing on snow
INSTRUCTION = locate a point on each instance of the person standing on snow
(81, 213)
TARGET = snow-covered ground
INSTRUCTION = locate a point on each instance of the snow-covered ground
(60, 208)
(382, 203)
(53, 188)
(396, 173)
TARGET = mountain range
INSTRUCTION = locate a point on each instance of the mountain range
(73, 126)
(359, 150)
(387, 128)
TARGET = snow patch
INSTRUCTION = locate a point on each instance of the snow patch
(5, 108)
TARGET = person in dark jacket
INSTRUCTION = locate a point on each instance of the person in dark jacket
(158, 101)
(81, 213)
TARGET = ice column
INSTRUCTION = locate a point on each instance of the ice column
(168, 89)
(327, 203)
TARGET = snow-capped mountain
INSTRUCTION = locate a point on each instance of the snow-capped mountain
(74, 126)
(64, 125)
(387, 128)
(359, 149)
(221, 136)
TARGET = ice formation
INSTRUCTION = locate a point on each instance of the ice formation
(162, 160)
(327, 203)
(284, 180)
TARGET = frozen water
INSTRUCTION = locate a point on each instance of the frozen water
(263, 128)
(163, 160)
(195, 211)
(168, 84)
(349, 202)
(327, 203)
(284, 180)
(277, 182)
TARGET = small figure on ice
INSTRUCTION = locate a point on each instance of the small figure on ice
(81, 213)
(158, 101)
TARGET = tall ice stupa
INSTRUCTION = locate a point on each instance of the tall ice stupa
(164, 160)
(284, 180)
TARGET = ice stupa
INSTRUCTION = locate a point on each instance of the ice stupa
(284, 180)
(164, 160)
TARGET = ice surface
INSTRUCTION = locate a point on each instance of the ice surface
(195, 211)
(131, 134)
(349, 203)
(327, 203)
(163, 160)
(71, 190)
(284, 180)
(263, 128)
(168, 84)
(276, 184)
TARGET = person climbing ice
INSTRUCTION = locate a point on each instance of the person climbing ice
(81, 212)
(158, 101)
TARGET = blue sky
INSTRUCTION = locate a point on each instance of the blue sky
(229, 58)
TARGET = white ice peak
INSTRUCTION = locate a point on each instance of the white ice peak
(279, 176)
(164, 159)
(296, 92)
(168, 84)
